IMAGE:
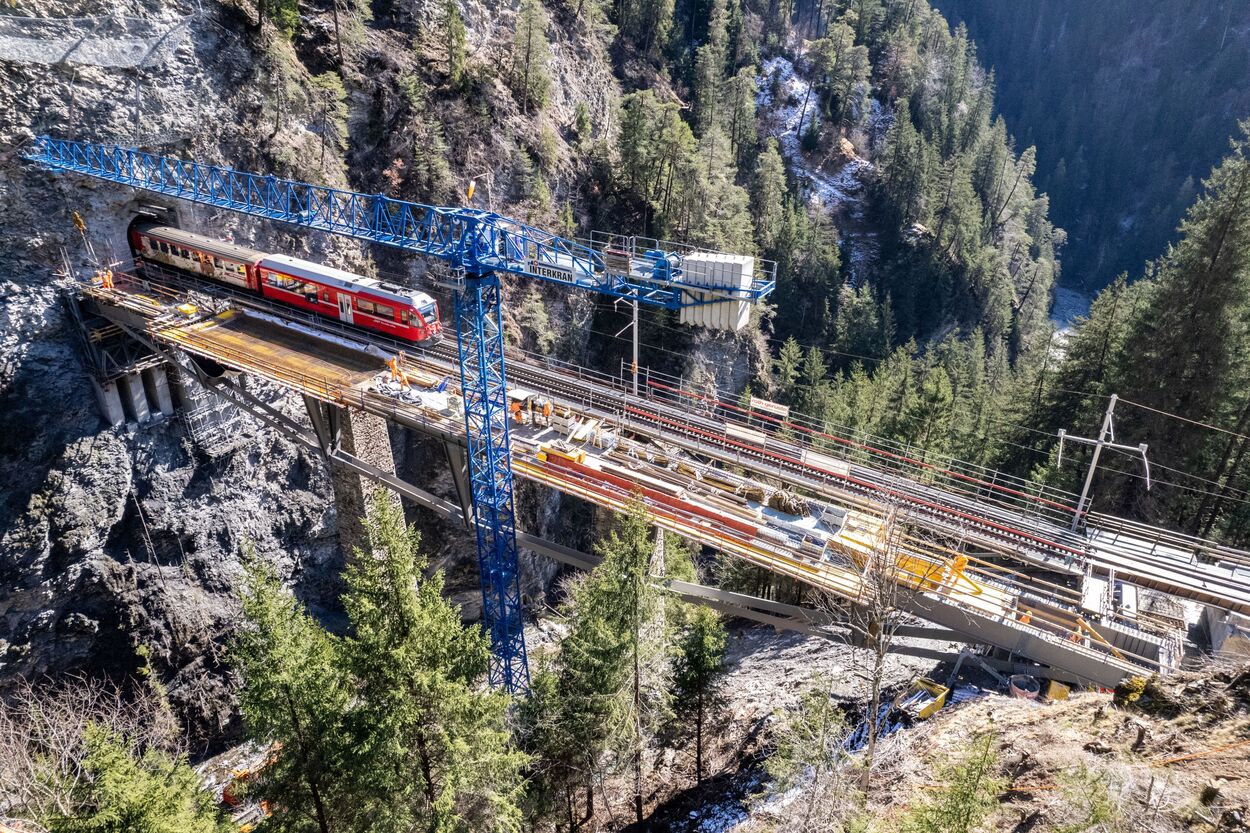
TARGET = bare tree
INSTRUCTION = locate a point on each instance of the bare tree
(42, 729)
(887, 571)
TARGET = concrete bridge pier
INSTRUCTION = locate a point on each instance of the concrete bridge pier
(134, 398)
(156, 388)
(367, 438)
(110, 401)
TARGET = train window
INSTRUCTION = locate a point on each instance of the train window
(325, 295)
(383, 311)
(216, 263)
(283, 282)
(404, 315)
(186, 254)
(164, 247)
(365, 306)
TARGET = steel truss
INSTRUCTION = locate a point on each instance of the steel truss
(483, 382)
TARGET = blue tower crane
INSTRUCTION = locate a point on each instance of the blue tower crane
(478, 246)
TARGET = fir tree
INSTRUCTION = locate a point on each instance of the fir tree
(700, 657)
(767, 195)
(453, 33)
(125, 790)
(611, 675)
(739, 116)
(786, 368)
(968, 797)
(709, 69)
(531, 55)
(284, 14)
(431, 748)
(294, 700)
(1186, 353)
(582, 126)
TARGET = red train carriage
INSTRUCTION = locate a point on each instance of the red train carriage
(365, 302)
(334, 293)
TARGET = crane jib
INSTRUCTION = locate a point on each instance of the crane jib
(469, 239)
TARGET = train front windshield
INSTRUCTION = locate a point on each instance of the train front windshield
(428, 311)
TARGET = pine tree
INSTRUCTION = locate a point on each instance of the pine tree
(431, 747)
(125, 790)
(294, 700)
(453, 32)
(531, 55)
(767, 195)
(700, 658)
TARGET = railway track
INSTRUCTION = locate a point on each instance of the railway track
(1028, 539)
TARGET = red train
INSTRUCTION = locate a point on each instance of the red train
(353, 299)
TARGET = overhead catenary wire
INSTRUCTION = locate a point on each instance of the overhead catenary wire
(1157, 465)
(1197, 422)
(1192, 489)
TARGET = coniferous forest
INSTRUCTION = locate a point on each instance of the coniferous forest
(1129, 105)
(923, 183)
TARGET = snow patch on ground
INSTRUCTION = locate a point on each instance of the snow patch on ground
(840, 191)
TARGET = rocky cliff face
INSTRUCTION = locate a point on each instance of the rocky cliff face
(112, 539)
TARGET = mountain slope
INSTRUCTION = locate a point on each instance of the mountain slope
(1129, 105)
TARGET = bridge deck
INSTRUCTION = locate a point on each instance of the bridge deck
(982, 597)
(285, 354)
